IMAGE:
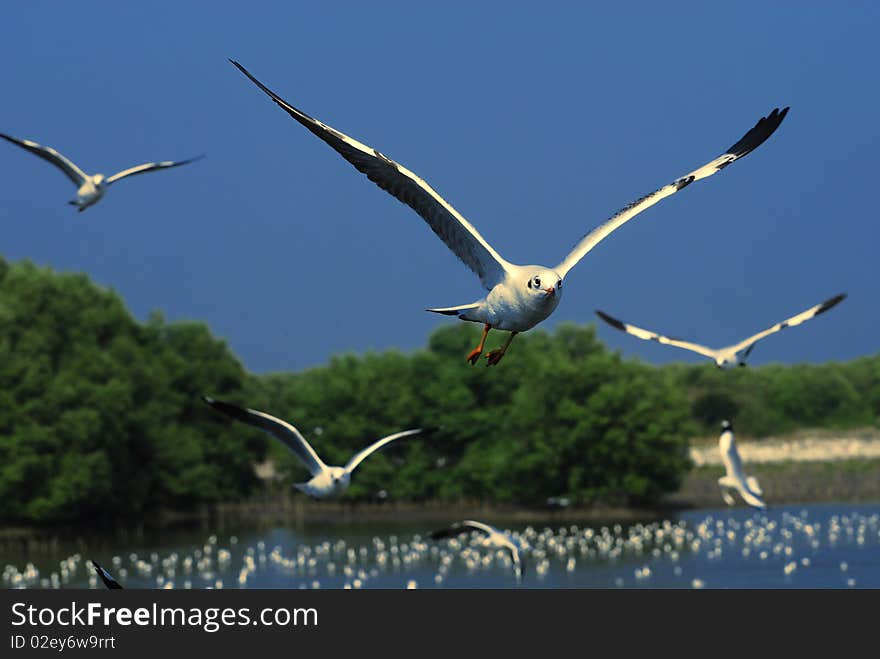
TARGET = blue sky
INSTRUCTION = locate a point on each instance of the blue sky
(535, 120)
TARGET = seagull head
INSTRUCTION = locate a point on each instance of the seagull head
(339, 478)
(726, 425)
(98, 180)
(544, 284)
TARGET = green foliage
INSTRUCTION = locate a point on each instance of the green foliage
(561, 416)
(99, 415)
(777, 399)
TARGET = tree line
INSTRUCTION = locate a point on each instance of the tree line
(101, 417)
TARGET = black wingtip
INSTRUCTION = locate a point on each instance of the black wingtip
(109, 582)
(230, 410)
(449, 532)
(611, 321)
(759, 133)
(827, 304)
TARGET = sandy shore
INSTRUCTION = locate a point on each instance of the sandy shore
(807, 449)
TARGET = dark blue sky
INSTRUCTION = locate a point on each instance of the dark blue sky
(535, 121)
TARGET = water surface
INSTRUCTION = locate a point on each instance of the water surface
(804, 546)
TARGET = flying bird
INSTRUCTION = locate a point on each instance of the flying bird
(326, 480)
(494, 538)
(731, 355)
(735, 478)
(109, 581)
(520, 296)
(90, 188)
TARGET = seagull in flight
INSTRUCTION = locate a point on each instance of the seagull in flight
(735, 478)
(326, 480)
(731, 355)
(519, 296)
(90, 188)
(494, 538)
(109, 581)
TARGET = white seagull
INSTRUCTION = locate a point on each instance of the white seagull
(109, 581)
(90, 188)
(731, 355)
(735, 478)
(494, 538)
(326, 480)
(519, 296)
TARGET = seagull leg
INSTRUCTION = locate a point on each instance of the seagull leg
(495, 356)
(474, 354)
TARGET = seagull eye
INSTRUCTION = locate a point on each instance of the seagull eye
(537, 282)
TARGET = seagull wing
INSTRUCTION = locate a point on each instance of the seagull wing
(277, 428)
(747, 143)
(71, 171)
(362, 455)
(461, 527)
(519, 564)
(794, 321)
(109, 581)
(754, 485)
(150, 167)
(479, 526)
(458, 234)
(653, 336)
(750, 497)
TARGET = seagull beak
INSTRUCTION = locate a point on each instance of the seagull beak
(550, 291)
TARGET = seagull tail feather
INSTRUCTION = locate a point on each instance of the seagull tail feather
(455, 311)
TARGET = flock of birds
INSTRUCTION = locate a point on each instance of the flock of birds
(518, 298)
(800, 548)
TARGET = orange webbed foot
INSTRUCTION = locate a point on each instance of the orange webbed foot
(494, 357)
(474, 355)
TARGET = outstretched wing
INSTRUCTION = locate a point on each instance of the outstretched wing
(519, 563)
(277, 428)
(362, 455)
(150, 167)
(647, 335)
(71, 171)
(794, 321)
(754, 485)
(747, 143)
(458, 234)
(109, 581)
(461, 527)
(750, 497)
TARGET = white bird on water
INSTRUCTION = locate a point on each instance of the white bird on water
(730, 356)
(735, 478)
(326, 480)
(519, 296)
(90, 188)
(494, 538)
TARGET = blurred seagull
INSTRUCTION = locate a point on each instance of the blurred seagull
(735, 478)
(494, 538)
(724, 357)
(519, 297)
(326, 480)
(109, 581)
(90, 189)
